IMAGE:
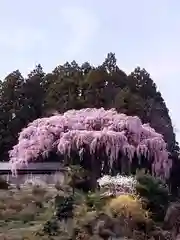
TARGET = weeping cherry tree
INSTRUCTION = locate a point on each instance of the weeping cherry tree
(100, 137)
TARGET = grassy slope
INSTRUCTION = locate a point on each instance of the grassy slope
(23, 211)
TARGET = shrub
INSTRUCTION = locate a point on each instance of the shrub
(64, 207)
(51, 227)
(79, 178)
(38, 190)
(4, 184)
(129, 207)
(117, 185)
(58, 186)
(82, 216)
(155, 193)
(95, 201)
(85, 222)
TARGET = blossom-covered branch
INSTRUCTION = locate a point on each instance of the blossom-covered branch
(95, 129)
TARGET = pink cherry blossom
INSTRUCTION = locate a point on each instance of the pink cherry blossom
(95, 128)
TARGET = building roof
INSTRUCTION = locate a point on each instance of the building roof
(42, 166)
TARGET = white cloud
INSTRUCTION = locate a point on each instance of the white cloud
(81, 29)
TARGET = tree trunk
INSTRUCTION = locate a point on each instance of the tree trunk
(95, 171)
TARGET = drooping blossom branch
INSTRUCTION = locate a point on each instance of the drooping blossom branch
(95, 129)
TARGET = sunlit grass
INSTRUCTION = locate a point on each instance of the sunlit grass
(24, 210)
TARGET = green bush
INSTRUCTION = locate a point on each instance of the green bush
(51, 227)
(155, 194)
(64, 207)
(4, 184)
(79, 178)
(95, 201)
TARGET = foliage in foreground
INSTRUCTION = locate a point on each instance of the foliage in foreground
(152, 191)
(155, 194)
(117, 185)
(129, 207)
(36, 211)
(3, 184)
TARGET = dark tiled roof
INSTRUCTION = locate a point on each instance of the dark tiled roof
(5, 166)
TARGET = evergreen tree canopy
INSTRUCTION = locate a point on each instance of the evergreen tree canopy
(71, 86)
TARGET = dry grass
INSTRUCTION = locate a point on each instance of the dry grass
(23, 211)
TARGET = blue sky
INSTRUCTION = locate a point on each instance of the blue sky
(144, 33)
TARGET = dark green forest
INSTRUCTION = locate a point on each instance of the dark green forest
(72, 86)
